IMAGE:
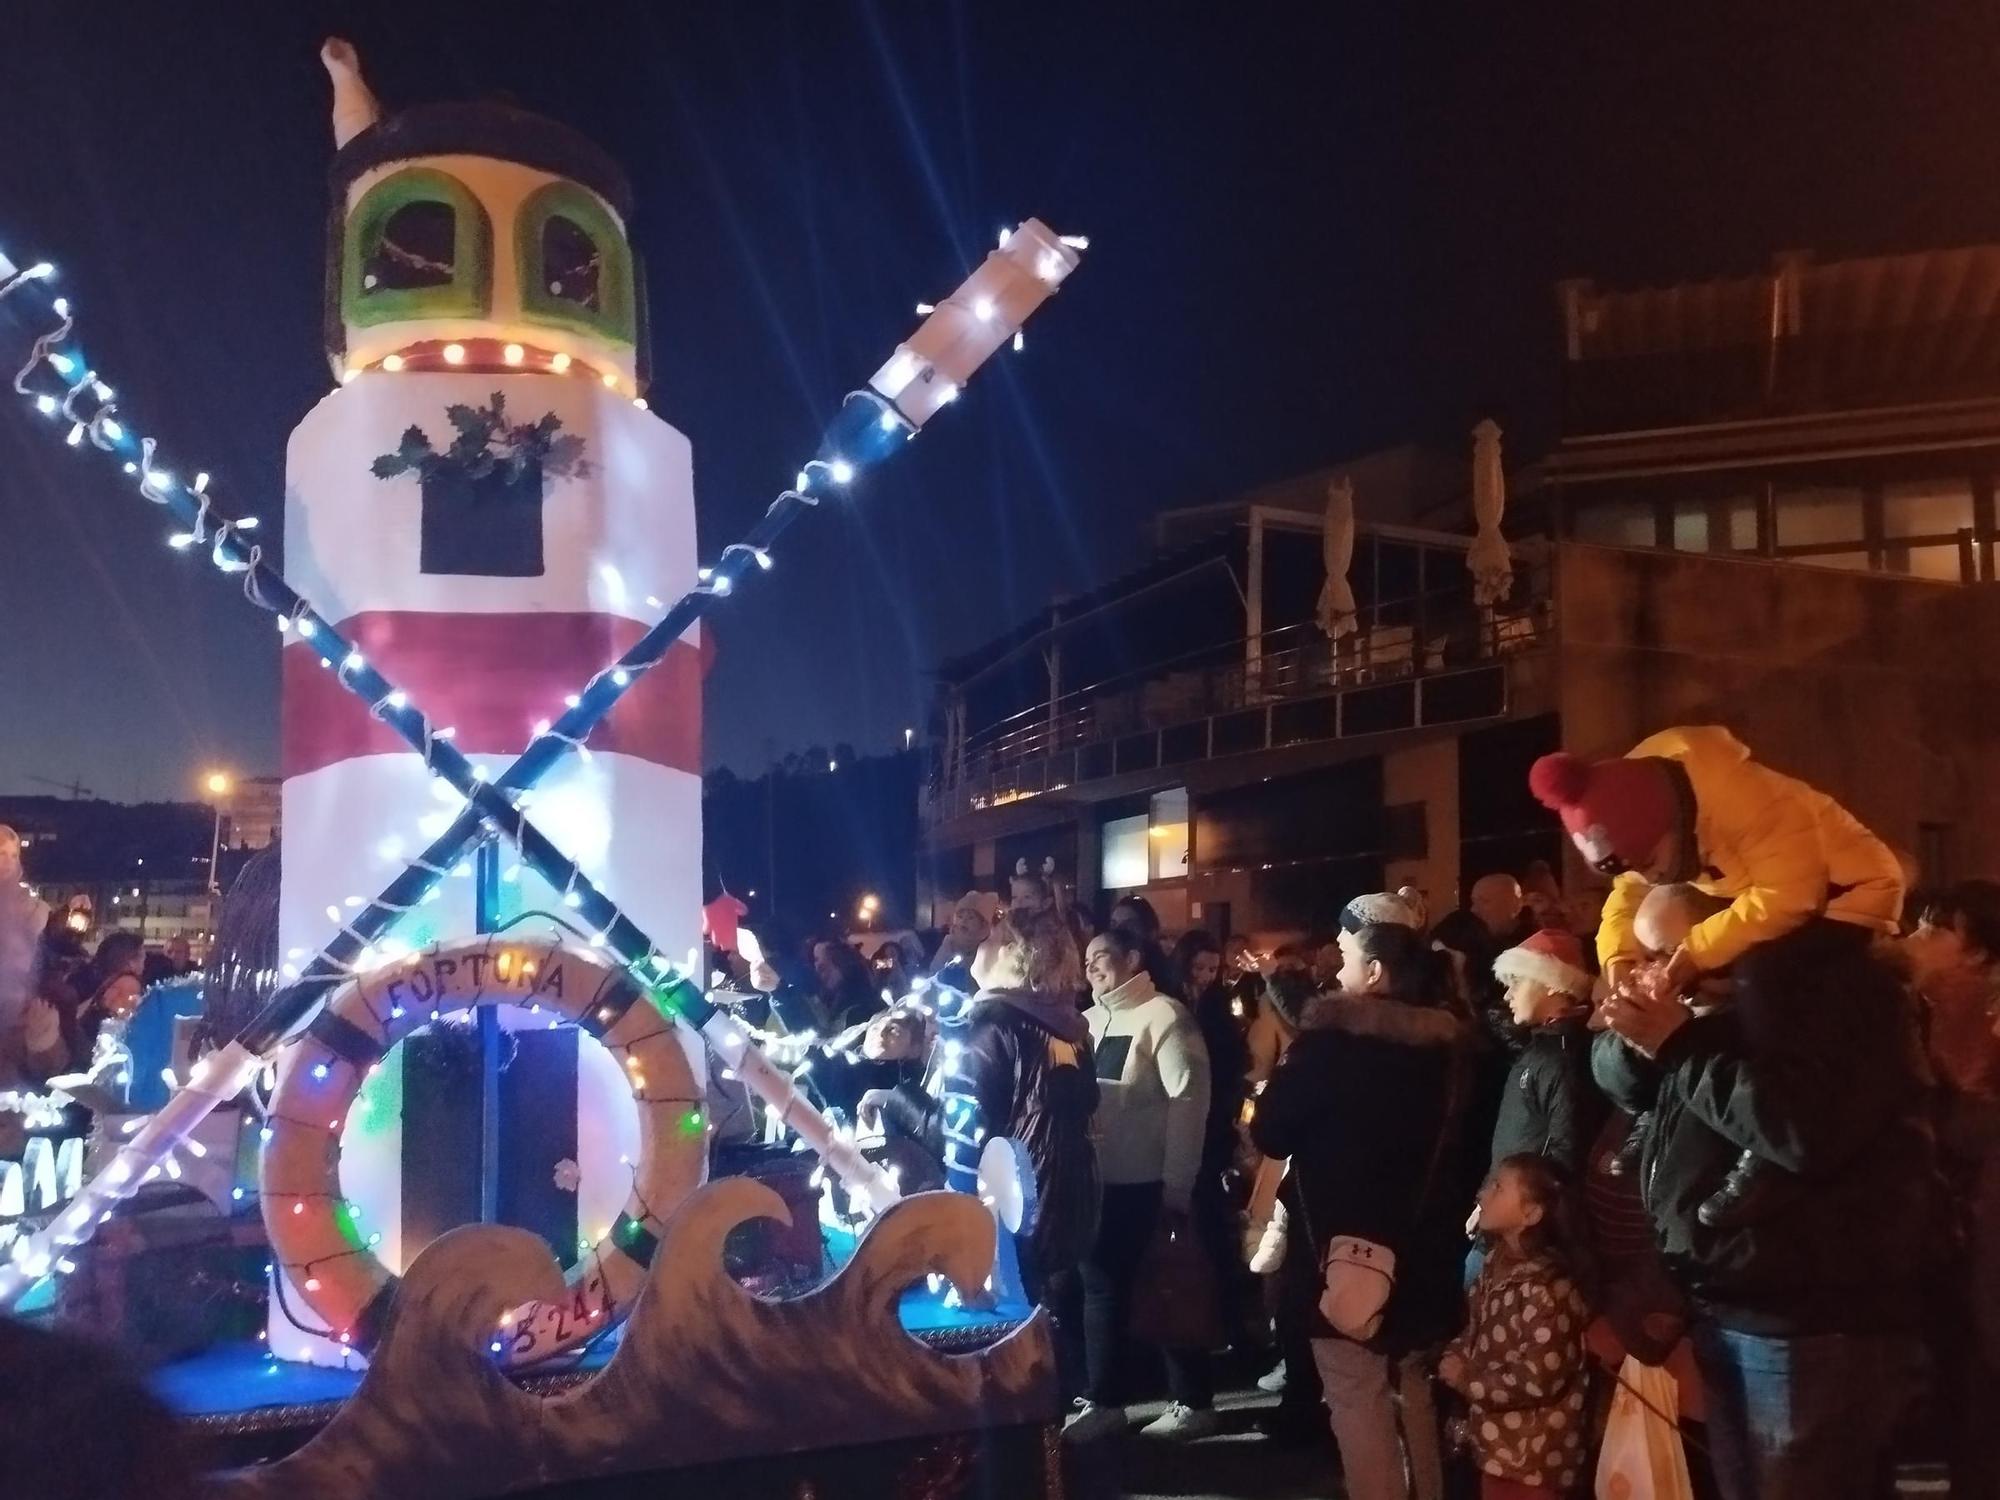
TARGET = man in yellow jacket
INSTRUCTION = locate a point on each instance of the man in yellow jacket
(1689, 804)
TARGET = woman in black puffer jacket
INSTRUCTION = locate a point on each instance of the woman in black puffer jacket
(1366, 1104)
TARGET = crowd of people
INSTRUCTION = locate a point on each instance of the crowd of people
(1738, 1121)
(1715, 1153)
(61, 982)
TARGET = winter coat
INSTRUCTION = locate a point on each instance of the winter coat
(1960, 1033)
(1525, 1370)
(1551, 1107)
(1152, 1080)
(1817, 1069)
(1020, 1066)
(1779, 850)
(22, 918)
(1228, 1080)
(1365, 1105)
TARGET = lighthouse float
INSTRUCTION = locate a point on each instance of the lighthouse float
(485, 507)
(480, 520)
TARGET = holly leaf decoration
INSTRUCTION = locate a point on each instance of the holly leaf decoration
(484, 442)
(413, 452)
(564, 457)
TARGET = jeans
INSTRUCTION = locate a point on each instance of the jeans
(1363, 1391)
(1807, 1417)
(1298, 1284)
(1966, 1340)
(1108, 1276)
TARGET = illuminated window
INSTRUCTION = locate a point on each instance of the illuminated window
(1943, 563)
(417, 245)
(1167, 838)
(1124, 861)
(1715, 525)
(1740, 515)
(1691, 526)
(1929, 508)
(1815, 517)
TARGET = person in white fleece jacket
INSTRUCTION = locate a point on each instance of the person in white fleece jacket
(1152, 1116)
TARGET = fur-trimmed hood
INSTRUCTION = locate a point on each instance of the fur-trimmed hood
(1383, 1019)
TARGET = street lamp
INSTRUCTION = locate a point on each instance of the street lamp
(218, 784)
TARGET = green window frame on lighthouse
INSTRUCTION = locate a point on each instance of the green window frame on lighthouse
(564, 207)
(466, 292)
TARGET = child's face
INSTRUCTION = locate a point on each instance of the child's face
(1533, 1003)
(1503, 1208)
(1938, 948)
(1662, 922)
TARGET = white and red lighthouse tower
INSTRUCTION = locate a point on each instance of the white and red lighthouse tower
(485, 507)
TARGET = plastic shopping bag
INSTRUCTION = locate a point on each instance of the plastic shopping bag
(1641, 1457)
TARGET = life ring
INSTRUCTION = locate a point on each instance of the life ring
(311, 1227)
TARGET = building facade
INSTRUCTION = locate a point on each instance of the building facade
(1770, 507)
(144, 867)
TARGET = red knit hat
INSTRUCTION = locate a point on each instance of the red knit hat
(1552, 958)
(1616, 811)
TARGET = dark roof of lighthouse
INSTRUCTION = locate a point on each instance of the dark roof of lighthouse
(482, 129)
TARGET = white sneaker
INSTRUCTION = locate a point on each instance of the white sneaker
(1273, 1380)
(1092, 1423)
(1183, 1424)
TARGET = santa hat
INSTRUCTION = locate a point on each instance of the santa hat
(1551, 958)
(1616, 811)
(1398, 908)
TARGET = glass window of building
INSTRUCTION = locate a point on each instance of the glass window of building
(1817, 516)
(1941, 561)
(1738, 515)
(1168, 835)
(1616, 523)
(1929, 508)
(1123, 862)
(1691, 526)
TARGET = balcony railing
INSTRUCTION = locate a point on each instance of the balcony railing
(1415, 662)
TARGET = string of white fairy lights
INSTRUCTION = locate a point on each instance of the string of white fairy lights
(922, 375)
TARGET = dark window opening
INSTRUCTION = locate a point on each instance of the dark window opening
(418, 248)
(571, 263)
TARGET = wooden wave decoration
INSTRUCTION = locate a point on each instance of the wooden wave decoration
(707, 1372)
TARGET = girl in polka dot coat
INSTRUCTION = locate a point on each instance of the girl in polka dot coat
(1520, 1362)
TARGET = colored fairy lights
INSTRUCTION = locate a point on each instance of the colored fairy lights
(925, 373)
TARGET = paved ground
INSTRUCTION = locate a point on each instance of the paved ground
(1239, 1464)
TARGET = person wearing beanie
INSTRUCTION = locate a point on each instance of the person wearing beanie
(1402, 908)
(1550, 1106)
(1689, 804)
(971, 920)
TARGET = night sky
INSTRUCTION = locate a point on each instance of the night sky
(1315, 228)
